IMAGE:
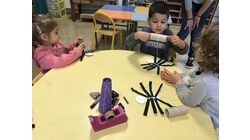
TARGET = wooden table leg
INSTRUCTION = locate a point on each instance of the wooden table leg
(79, 8)
(73, 14)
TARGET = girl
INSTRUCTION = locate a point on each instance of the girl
(201, 87)
(47, 51)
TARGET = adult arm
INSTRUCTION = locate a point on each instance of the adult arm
(190, 21)
(204, 7)
(198, 15)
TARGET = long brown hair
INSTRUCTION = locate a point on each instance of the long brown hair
(207, 50)
(41, 24)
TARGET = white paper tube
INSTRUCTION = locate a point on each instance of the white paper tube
(158, 37)
(176, 111)
(109, 114)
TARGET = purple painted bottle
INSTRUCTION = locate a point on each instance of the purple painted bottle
(105, 102)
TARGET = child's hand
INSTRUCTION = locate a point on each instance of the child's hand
(176, 40)
(79, 48)
(143, 36)
(78, 40)
(170, 77)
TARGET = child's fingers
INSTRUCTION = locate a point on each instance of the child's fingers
(173, 39)
(80, 38)
(168, 72)
(80, 48)
(169, 81)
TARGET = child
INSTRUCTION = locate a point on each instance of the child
(201, 87)
(158, 17)
(47, 51)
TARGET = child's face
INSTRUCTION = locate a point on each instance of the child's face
(158, 22)
(54, 36)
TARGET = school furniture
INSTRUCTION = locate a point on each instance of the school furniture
(146, 3)
(86, 8)
(175, 11)
(119, 12)
(36, 74)
(61, 102)
(210, 17)
(103, 18)
(40, 6)
(56, 8)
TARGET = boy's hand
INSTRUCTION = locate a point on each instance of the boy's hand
(143, 36)
(176, 41)
(170, 77)
(78, 40)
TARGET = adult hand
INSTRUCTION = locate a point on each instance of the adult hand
(170, 77)
(196, 21)
(189, 25)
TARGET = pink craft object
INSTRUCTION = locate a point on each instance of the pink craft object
(98, 122)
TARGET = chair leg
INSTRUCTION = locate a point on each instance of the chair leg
(105, 40)
(96, 44)
(113, 40)
(92, 40)
(120, 39)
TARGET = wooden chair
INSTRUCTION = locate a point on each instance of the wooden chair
(36, 74)
(210, 17)
(103, 18)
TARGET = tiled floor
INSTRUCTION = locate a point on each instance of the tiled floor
(70, 30)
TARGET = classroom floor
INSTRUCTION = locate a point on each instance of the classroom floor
(69, 30)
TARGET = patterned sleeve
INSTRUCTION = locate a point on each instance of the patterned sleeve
(130, 41)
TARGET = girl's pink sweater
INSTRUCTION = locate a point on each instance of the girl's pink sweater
(48, 57)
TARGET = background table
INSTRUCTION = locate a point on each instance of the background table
(61, 102)
(118, 12)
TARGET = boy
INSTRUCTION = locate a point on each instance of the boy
(158, 17)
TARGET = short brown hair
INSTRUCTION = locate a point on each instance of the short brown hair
(207, 50)
(160, 7)
(41, 24)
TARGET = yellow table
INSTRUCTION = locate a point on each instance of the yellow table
(141, 9)
(61, 102)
